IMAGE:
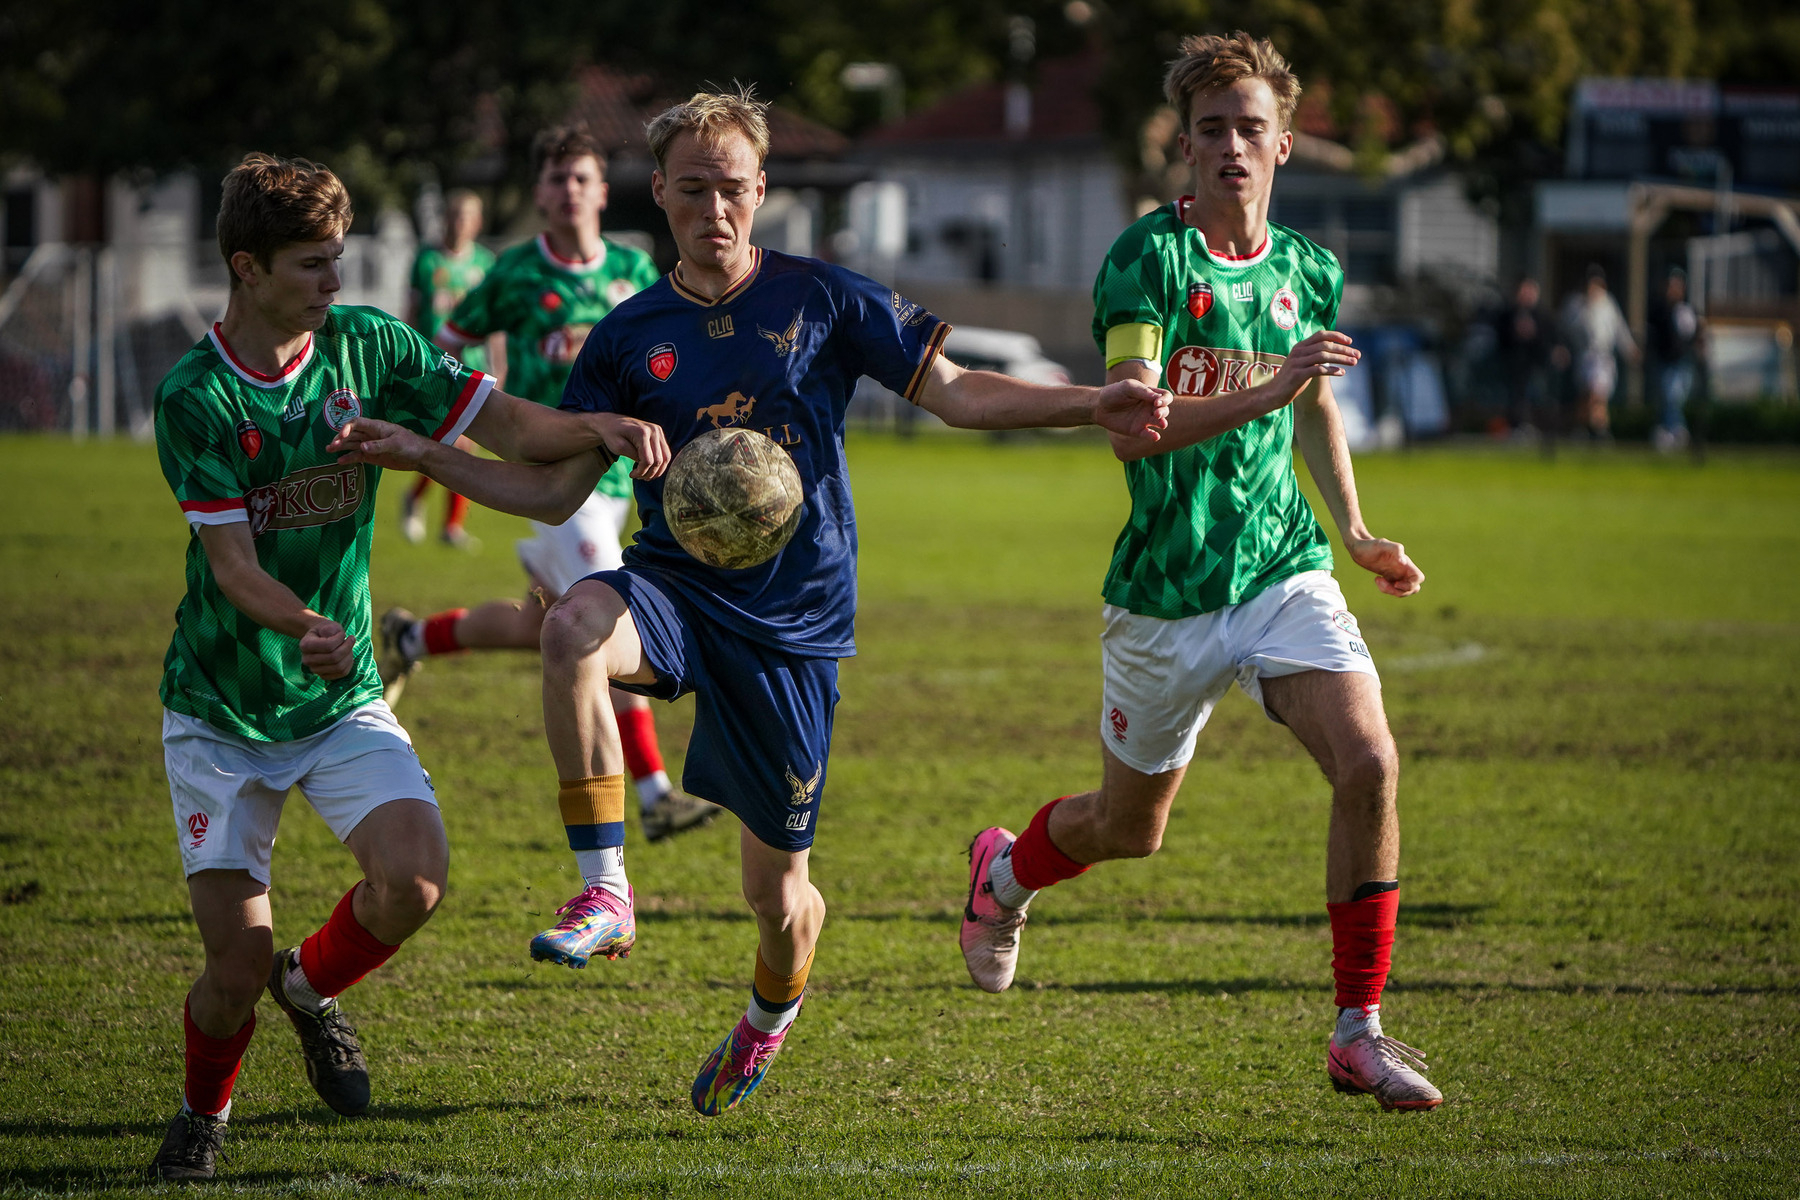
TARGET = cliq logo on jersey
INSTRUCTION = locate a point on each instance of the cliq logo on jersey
(1205, 370)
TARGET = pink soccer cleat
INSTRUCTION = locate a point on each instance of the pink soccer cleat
(1385, 1069)
(595, 922)
(990, 932)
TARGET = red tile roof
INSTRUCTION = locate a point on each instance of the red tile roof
(1062, 107)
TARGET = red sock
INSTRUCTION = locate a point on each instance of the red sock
(1036, 862)
(212, 1064)
(637, 732)
(440, 631)
(1362, 942)
(342, 952)
(419, 487)
(459, 508)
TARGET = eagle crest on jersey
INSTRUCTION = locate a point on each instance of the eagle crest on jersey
(783, 342)
(802, 789)
(1215, 523)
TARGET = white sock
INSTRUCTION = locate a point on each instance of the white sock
(651, 788)
(300, 990)
(224, 1114)
(412, 641)
(764, 1021)
(605, 868)
(1008, 892)
(1354, 1023)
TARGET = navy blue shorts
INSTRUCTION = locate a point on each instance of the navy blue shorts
(762, 718)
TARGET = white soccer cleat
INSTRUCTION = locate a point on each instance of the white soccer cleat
(1388, 1070)
(990, 930)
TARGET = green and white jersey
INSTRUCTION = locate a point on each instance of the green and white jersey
(239, 445)
(545, 304)
(442, 279)
(1215, 523)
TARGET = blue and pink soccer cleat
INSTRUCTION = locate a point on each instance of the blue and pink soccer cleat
(736, 1068)
(595, 922)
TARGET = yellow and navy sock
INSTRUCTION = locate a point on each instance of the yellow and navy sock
(593, 813)
(775, 999)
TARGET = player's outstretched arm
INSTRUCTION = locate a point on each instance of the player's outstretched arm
(1195, 419)
(520, 431)
(1129, 409)
(1319, 432)
(325, 650)
(547, 492)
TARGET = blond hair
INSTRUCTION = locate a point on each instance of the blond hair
(1209, 61)
(271, 202)
(710, 116)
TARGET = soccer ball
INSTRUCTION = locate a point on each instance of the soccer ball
(732, 498)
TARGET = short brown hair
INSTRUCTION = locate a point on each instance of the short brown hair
(709, 116)
(270, 202)
(560, 143)
(1209, 61)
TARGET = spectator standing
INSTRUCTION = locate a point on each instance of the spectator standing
(1674, 338)
(1525, 336)
(1598, 335)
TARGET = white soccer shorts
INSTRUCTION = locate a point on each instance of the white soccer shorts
(559, 555)
(1162, 678)
(228, 790)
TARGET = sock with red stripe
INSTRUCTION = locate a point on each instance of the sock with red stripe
(419, 487)
(643, 757)
(459, 509)
(212, 1065)
(436, 634)
(1033, 860)
(1362, 940)
(336, 957)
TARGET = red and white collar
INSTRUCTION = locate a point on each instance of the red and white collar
(254, 377)
(1231, 261)
(569, 264)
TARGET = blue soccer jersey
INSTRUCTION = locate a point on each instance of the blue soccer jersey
(780, 353)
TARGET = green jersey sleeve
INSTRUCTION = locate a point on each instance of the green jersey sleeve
(191, 444)
(482, 311)
(427, 389)
(1132, 286)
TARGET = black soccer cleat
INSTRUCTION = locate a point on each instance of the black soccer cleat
(334, 1059)
(189, 1148)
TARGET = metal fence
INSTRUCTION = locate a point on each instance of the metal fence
(87, 332)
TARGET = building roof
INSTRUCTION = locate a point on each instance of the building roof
(616, 107)
(1062, 109)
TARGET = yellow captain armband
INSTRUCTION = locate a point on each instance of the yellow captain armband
(1124, 342)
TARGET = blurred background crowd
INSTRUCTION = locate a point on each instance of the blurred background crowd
(1558, 218)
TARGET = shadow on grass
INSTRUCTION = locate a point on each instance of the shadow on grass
(1426, 916)
(311, 1115)
(1236, 987)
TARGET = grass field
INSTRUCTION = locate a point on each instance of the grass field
(1595, 703)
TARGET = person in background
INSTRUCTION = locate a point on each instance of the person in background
(441, 276)
(1598, 335)
(1674, 338)
(1526, 338)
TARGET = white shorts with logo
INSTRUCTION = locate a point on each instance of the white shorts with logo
(558, 555)
(1163, 677)
(228, 790)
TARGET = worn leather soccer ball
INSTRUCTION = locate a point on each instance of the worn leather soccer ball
(732, 498)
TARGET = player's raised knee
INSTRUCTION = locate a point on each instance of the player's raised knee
(1372, 769)
(579, 623)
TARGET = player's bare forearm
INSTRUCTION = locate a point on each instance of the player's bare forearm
(988, 400)
(230, 552)
(1319, 432)
(547, 492)
(1195, 419)
(520, 431)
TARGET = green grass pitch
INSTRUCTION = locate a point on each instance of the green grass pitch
(1595, 703)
